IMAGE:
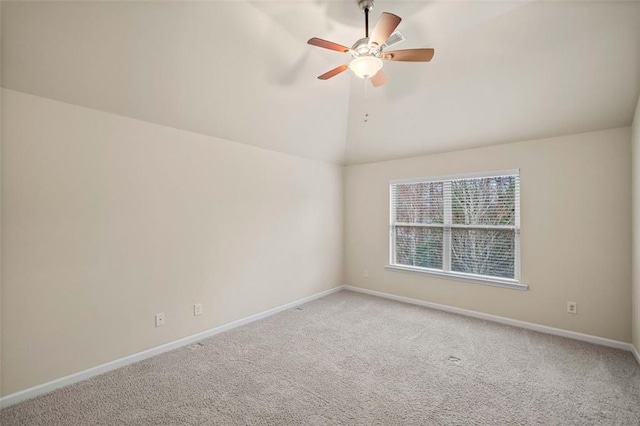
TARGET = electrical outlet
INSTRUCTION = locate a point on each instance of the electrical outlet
(197, 309)
(572, 307)
(160, 319)
(365, 273)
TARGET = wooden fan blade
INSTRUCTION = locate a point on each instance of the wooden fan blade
(379, 79)
(315, 41)
(333, 72)
(409, 55)
(386, 25)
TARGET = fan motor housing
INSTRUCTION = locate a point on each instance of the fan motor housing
(362, 47)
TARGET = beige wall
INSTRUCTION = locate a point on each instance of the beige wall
(108, 220)
(1, 101)
(576, 239)
(635, 148)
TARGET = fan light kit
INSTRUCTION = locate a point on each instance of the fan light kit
(368, 52)
(365, 66)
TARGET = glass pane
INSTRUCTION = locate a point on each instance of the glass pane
(419, 246)
(418, 202)
(484, 201)
(483, 252)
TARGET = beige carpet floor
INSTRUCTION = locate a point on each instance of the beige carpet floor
(358, 360)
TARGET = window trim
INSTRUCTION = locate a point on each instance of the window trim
(459, 276)
(485, 174)
(447, 226)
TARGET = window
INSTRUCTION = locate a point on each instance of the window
(460, 226)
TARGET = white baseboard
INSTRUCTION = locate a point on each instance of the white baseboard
(502, 320)
(103, 368)
(636, 353)
(32, 392)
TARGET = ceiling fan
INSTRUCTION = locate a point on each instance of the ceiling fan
(368, 52)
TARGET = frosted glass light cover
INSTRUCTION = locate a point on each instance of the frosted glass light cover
(365, 66)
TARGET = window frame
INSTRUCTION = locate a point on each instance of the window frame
(447, 226)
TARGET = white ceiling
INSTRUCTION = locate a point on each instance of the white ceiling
(242, 71)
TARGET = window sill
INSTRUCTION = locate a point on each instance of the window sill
(495, 282)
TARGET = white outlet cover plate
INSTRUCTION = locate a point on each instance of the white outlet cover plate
(159, 320)
(197, 309)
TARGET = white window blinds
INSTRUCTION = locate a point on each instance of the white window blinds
(459, 225)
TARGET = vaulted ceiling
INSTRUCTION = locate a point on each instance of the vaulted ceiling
(242, 71)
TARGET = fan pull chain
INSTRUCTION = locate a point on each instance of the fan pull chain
(366, 100)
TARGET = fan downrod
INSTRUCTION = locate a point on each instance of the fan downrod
(366, 6)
